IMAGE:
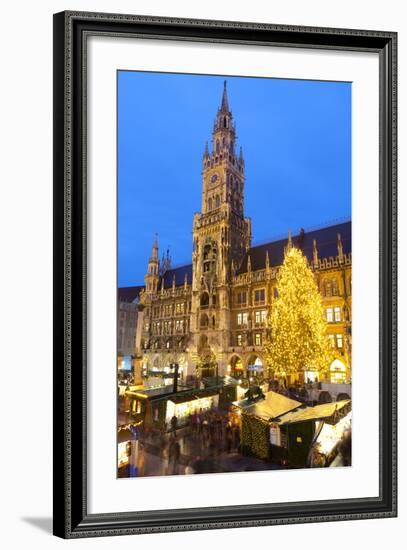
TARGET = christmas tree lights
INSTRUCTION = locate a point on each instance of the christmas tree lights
(299, 339)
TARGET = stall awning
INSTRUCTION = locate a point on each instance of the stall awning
(192, 397)
(319, 412)
(273, 406)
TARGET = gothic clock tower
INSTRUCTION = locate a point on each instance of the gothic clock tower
(221, 237)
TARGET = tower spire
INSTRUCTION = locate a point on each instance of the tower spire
(152, 276)
(315, 253)
(290, 242)
(340, 247)
(225, 104)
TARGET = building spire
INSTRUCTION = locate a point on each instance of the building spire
(225, 104)
(340, 247)
(315, 253)
(154, 252)
(290, 242)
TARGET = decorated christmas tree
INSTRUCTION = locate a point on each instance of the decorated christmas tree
(298, 327)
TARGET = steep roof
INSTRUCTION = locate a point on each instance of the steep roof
(129, 293)
(326, 239)
(179, 273)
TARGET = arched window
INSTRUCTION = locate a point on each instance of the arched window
(224, 122)
(213, 321)
(217, 146)
(210, 204)
(204, 299)
(204, 321)
(217, 201)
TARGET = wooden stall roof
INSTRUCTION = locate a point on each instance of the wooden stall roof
(273, 406)
(319, 412)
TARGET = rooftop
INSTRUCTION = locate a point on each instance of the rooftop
(273, 406)
(326, 241)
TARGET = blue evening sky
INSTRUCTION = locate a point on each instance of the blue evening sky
(296, 138)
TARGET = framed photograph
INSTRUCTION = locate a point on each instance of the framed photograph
(224, 274)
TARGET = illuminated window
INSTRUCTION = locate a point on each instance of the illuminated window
(239, 339)
(335, 290)
(339, 341)
(242, 319)
(331, 338)
(260, 317)
(329, 315)
(337, 314)
(179, 308)
(257, 339)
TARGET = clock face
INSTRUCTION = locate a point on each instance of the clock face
(214, 178)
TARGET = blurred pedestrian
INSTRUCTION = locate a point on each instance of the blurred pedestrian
(229, 437)
(174, 423)
(141, 460)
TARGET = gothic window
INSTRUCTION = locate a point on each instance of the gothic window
(242, 319)
(210, 204)
(213, 321)
(329, 315)
(260, 317)
(217, 201)
(224, 122)
(241, 298)
(335, 290)
(257, 339)
(205, 299)
(239, 340)
(223, 142)
(217, 146)
(337, 314)
(331, 338)
(204, 321)
(339, 341)
(328, 288)
(259, 296)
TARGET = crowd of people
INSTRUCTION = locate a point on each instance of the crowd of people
(210, 434)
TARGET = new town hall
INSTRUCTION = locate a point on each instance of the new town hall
(213, 312)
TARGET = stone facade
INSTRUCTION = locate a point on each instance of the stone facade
(218, 305)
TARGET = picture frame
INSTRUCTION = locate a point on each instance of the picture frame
(71, 516)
